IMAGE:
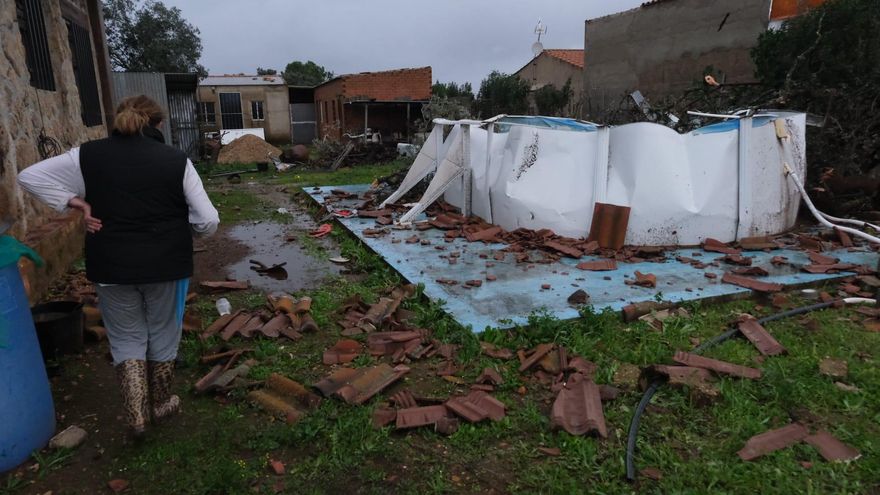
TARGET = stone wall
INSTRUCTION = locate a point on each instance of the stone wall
(543, 70)
(25, 113)
(663, 47)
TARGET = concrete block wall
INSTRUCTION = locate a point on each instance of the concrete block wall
(663, 47)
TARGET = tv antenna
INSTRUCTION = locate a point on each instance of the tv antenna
(540, 30)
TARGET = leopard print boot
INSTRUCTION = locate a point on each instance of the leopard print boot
(164, 404)
(132, 374)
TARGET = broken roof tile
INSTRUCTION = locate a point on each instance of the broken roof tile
(383, 416)
(536, 355)
(578, 408)
(490, 376)
(598, 265)
(466, 409)
(772, 440)
(831, 448)
(717, 246)
(760, 337)
(751, 270)
(759, 243)
(569, 251)
(645, 279)
(344, 351)
(689, 359)
(284, 386)
(821, 259)
(487, 234)
(494, 408)
(368, 382)
(491, 350)
(608, 226)
(750, 283)
(420, 416)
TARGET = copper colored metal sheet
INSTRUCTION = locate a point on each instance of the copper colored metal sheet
(831, 448)
(609, 224)
(578, 408)
(760, 337)
(750, 283)
(772, 440)
(724, 367)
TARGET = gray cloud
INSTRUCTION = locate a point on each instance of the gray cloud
(462, 40)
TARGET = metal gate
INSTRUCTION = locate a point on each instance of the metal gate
(303, 126)
(184, 123)
(230, 111)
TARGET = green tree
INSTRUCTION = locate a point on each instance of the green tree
(452, 90)
(151, 37)
(305, 74)
(266, 72)
(552, 101)
(502, 93)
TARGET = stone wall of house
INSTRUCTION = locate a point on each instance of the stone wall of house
(25, 114)
(662, 48)
(544, 70)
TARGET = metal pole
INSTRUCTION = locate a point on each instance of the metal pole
(366, 120)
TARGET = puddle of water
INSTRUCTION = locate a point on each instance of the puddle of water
(266, 242)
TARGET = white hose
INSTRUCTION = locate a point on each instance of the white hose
(849, 221)
(858, 233)
(859, 300)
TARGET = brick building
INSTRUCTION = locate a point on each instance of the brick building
(54, 95)
(388, 102)
(555, 67)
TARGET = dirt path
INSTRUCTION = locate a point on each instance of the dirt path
(85, 388)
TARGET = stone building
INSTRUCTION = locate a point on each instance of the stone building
(246, 102)
(388, 102)
(54, 95)
(556, 67)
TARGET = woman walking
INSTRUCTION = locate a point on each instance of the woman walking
(141, 202)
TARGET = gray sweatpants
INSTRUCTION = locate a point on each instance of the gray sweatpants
(143, 321)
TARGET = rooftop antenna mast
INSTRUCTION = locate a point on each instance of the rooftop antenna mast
(540, 30)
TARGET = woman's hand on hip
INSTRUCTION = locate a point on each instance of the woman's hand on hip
(92, 224)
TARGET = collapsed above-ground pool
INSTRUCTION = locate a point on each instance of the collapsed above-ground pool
(724, 181)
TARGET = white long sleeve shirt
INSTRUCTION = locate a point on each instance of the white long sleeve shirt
(57, 180)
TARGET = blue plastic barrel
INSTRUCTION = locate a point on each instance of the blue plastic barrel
(27, 414)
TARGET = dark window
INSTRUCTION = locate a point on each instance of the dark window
(84, 73)
(257, 110)
(36, 48)
(207, 114)
(335, 117)
(230, 111)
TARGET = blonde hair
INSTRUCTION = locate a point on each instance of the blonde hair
(136, 112)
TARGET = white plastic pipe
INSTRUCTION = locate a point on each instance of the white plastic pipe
(859, 300)
(849, 221)
(797, 183)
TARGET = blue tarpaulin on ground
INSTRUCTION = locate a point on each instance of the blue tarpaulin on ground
(517, 291)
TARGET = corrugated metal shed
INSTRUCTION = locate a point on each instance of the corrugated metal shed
(176, 94)
(152, 84)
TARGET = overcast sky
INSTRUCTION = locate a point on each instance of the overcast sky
(462, 40)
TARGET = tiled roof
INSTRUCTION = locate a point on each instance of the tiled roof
(784, 9)
(572, 56)
(241, 80)
(390, 85)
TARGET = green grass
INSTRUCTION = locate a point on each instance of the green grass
(335, 450)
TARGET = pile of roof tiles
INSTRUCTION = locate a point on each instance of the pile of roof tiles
(284, 316)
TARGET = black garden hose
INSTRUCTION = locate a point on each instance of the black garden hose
(655, 384)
